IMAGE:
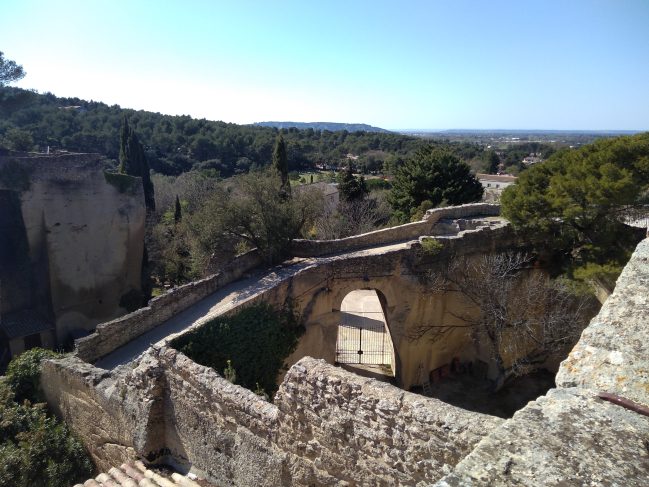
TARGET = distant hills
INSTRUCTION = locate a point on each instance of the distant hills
(333, 127)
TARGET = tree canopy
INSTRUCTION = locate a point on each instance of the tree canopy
(351, 187)
(254, 208)
(10, 72)
(490, 162)
(435, 176)
(178, 144)
(579, 200)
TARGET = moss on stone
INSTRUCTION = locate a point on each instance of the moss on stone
(123, 182)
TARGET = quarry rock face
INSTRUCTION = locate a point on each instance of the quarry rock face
(83, 240)
(572, 437)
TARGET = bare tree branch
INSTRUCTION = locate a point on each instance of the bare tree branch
(524, 316)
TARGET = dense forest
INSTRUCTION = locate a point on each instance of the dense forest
(334, 127)
(177, 144)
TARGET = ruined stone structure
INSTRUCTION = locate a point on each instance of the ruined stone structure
(330, 427)
(385, 263)
(71, 240)
(326, 427)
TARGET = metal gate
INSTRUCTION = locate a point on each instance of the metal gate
(367, 344)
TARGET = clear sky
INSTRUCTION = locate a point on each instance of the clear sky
(519, 64)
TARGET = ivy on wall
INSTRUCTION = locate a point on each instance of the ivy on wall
(123, 182)
(16, 176)
(256, 340)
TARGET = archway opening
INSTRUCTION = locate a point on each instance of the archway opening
(364, 344)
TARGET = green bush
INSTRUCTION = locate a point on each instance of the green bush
(377, 183)
(123, 182)
(35, 449)
(431, 246)
(256, 340)
(24, 372)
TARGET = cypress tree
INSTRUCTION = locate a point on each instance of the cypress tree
(124, 156)
(280, 160)
(132, 161)
(149, 194)
(177, 211)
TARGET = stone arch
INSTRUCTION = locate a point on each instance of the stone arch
(387, 299)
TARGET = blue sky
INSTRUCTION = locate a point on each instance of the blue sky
(566, 65)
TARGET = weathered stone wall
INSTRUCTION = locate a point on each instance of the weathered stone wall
(409, 231)
(109, 336)
(113, 334)
(85, 237)
(326, 427)
(570, 437)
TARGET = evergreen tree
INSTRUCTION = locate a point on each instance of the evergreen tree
(432, 175)
(124, 149)
(350, 187)
(149, 192)
(133, 161)
(280, 160)
(177, 211)
(578, 201)
(490, 162)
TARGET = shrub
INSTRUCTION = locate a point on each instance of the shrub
(35, 449)
(24, 372)
(255, 341)
(431, 246)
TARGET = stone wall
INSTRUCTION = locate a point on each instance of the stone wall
(326, 426)
(113, 334)
(409, 231)
(85, 236)
(572, 437)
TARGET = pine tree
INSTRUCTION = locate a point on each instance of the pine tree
(490, 162)
(434, 176)
(177, 211)
(280, 160)
(350, 187)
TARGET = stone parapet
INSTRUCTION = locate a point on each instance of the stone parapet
(327, 426)
(113, 334)
(409, 231)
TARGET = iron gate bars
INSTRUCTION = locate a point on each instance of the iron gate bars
(367, 344)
